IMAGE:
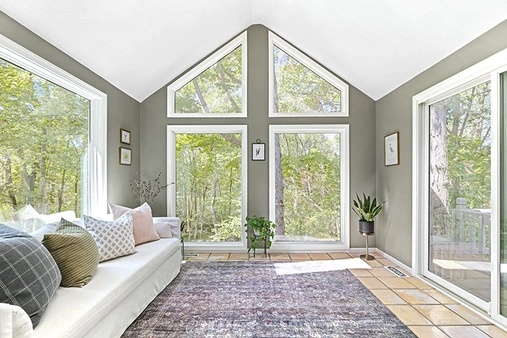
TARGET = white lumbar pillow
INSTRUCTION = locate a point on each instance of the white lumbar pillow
(15, 322)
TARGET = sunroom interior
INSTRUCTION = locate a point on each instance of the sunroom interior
(284, 110)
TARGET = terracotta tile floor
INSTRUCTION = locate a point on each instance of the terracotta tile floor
(425, 310)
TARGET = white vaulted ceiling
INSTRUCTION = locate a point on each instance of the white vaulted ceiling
(139, 46)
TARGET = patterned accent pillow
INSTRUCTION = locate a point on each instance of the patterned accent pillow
(75, 252)
(114, 238)
(29, 275)
(144, 229)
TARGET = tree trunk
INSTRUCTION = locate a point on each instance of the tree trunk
(439, 166)
(8, 181)
(42, 205)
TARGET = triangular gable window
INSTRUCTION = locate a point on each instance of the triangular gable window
(214, 88)
(301, 87)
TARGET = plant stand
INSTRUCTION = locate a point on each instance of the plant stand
(367, 257)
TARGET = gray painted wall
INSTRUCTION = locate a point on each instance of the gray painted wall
(394, 113)
(123, 111)
(154, 122)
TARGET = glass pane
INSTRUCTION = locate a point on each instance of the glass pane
(300, 90)
(503, 195)
(208, 186)
(460, 190)
(216, 90)
(307, 184)
(43, 143)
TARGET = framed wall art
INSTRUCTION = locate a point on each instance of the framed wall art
(258, 151)
(125, 156)
(124, 136)
(392, 149)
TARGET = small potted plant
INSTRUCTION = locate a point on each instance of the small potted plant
(259, 229)
(366, 209)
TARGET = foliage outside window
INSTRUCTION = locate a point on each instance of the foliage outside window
(209, 186)
(307, 186)
(460, 183)
(214, 88)
(43, 143)
(301, 87)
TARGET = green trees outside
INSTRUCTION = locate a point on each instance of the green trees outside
(208, 169)
(216, 90)
(460, 153)
(310, 167)
(42, 144)
(307, 164)
(301, 90)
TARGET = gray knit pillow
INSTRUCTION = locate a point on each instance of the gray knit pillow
(29, 275)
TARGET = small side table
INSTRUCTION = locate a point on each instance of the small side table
(367, 257)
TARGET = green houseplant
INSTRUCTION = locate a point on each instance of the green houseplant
(259, 229)
(367, 209)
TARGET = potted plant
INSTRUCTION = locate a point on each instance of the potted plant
(259, 229)
(366, 209)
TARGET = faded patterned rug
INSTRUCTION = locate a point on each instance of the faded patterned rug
(262, 299)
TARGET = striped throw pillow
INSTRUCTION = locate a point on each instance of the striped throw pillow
(75, 253)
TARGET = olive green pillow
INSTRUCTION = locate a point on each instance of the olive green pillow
(75, 253)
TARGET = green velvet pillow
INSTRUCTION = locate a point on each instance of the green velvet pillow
(75, 253)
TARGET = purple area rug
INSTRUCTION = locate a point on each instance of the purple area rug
(249, 299)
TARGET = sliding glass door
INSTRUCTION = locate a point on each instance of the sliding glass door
(460, 190)
(503, 194)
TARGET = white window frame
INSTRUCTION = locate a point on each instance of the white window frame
(239, 41)
(96, 201)
(172, 130)
(488, 69)
(312, 65)
(343, 131)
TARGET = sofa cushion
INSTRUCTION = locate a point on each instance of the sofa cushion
(29, 276)
(113, 238)
(75, 252)
(165, 226)
(15, 322)
(144, 229)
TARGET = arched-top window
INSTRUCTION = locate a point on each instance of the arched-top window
(214, 88)
(301, 87)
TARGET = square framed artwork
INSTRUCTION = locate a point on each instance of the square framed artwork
(392, 149)
(125, 156)
(124, 136)
(258, 151)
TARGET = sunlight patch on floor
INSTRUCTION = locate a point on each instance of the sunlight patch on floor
(319, 266)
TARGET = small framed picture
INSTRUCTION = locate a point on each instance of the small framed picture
(125, 156)
(392, 149)
(258, 151)
(124, 136)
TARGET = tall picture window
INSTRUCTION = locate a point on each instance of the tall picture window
(208, 164)
(52, 144)
(309, 183)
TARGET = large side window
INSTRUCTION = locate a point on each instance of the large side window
(309, 184)
(214, 88)
(52, 144)
(301, 87)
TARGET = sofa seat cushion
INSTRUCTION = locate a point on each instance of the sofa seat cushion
(75, 252)
(29, 275)
(81, 309)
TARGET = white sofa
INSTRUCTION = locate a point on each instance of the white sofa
(117, 294)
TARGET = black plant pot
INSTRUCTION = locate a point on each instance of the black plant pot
(366, 227)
